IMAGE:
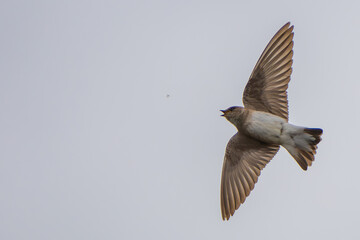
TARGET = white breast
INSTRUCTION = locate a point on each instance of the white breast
(265, 127)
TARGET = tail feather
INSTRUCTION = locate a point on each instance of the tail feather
(302, 146)
(314, 132)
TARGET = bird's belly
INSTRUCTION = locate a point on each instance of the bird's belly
(265, 127)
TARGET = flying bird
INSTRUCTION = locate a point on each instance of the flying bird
(263, 125)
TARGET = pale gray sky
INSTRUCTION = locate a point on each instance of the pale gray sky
(93, 148)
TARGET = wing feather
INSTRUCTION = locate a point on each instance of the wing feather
(240, 187)
(236, 192)
(268, 83)
(244, 159)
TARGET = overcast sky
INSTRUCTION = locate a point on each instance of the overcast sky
(110, 125)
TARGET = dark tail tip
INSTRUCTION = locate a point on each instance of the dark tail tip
(315, 132)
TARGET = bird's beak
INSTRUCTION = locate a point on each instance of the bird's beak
(223, 111)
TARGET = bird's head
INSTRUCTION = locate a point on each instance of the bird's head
(231, 113)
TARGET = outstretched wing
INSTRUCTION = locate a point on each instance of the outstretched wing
(266, 88)
(244, 158)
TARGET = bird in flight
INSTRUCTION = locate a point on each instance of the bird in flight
(263, 125)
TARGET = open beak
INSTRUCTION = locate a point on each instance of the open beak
(223, 111)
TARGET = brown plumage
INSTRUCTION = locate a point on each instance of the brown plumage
(266, 88)
(263, 125)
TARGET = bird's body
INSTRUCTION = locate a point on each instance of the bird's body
(263, 126)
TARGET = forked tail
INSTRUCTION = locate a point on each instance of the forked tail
(303, 145)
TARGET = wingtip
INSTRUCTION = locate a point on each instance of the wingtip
(224, 217)
(288, 25)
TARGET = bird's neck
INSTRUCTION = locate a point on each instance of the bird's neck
(241, 118)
